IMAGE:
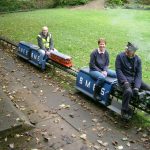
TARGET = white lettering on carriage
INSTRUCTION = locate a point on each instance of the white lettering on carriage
(32, 55)
(93, 87)
(27, 52)
(87, 84)
(23, 51)
(102, 91)
(35, 56)
(81, 80)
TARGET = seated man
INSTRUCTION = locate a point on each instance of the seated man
(99, 62)
(45, 41)
(129, 75)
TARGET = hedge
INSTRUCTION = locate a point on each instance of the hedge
(15, 5)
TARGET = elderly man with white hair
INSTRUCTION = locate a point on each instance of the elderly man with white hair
(45, 40)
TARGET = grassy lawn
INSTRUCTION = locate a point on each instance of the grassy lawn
(75, 32)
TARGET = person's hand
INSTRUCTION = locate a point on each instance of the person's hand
(104, 73)
(48, 52)
(126, 85)
(135, 92)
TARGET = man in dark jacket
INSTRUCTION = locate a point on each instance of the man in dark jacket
(129, 75)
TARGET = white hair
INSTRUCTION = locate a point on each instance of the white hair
(45, 28)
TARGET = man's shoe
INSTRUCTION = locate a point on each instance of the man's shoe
(130, 112)
(96, 96)
(97, 93)
(125, 115)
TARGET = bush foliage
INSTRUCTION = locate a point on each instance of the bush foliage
(116, 2)
(122, 2)
(13, 5)
(72, 2)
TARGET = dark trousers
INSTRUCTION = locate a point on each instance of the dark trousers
(128, 94)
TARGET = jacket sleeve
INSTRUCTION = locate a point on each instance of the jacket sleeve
(51, 42)
(120, 76)
(138, 75)
(92, 62)
(40, 44)
(107, 62)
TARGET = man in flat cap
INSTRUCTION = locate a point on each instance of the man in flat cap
(129, 75)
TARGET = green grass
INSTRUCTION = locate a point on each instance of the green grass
(75, 32)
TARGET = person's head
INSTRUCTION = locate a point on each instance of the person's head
(131, 49)
(102, 44)
(45, 30)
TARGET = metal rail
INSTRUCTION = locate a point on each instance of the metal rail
(8, 41)
(71, 71)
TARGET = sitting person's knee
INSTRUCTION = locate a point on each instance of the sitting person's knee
(128, 91)
(42, 52)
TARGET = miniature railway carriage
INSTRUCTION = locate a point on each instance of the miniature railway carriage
(86, 84)
(24, 50)
(32, 53)
(110, 92)
(61, 59)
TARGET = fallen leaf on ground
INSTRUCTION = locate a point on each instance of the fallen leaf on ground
(56, 120)
(71, 115)
(55, 90)
(84, 121)
(83, 136)
(73, 135)
(8, 115)
(120, 147)
(139, 129)
(144, 139)
(128, 144)
(124, 139)
(5, 139)
(94, 120)
(102, 143)
(12, 146)
(96, 147)
(114, 143)
(37, 140)
(64, 106)
(144, 135)
(11, 97)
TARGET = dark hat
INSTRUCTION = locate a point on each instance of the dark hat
(131, 47)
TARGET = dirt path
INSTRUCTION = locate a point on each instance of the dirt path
(95, 4)
(63, 120)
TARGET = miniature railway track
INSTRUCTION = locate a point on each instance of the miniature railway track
(14, 45)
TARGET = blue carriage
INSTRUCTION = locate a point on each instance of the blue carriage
(86, 84)
(32, 53)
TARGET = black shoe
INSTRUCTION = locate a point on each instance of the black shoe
(96, 96)
(130, 112)
(125, 115)
(97, 93)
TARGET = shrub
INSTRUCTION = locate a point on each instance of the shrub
(114, 3)
(72, 2)
(145, 2)
(14, 5)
